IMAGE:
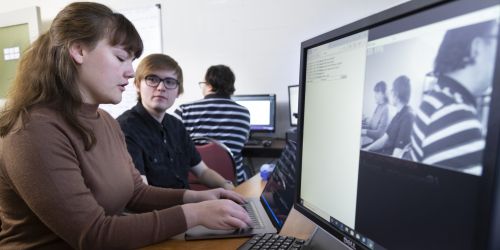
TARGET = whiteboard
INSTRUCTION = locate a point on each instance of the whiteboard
(147, 21)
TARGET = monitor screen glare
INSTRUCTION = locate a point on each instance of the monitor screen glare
(262, 111)
(396, 121)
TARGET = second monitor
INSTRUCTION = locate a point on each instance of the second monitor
(262, 110)
(293, 104)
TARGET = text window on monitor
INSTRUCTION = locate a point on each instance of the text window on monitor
(259, 111)
(335, 72)
(262, 108)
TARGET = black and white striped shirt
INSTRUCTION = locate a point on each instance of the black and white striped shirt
(220, 118)
(447, 131)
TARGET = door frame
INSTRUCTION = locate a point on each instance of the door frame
(30, 16)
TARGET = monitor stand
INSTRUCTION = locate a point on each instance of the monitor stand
(320, 239)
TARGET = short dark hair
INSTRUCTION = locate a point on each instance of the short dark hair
(454, 51)
(382, 88)
(221, 78)
(402, 88)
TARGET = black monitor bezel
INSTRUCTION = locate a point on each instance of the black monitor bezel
(489, 207)
(290, 115)
(272, 113)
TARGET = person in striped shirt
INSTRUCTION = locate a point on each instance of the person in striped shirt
(447, 131)
(217, 116)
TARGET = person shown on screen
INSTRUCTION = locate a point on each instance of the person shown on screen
(396, 140)
(159, 144)
(217, 116)
(374, 127)
(66, 177)
(447, 131)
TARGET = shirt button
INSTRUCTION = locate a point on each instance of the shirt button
(165, 141)
(171, 159)
(155, 160)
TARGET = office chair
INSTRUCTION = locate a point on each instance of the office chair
(217, 156)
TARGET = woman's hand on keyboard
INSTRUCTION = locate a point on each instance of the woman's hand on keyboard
(212, 194)
(216, 214)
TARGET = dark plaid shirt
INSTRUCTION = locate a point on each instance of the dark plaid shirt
(163, 152)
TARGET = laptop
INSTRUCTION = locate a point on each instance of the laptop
(269, 211)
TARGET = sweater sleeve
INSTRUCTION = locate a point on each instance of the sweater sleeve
(43, 169)
(148, 198)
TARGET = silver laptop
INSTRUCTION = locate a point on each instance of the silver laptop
(269, 211)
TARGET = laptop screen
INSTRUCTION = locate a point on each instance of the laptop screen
(277, 197)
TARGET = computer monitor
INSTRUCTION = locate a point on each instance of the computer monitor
(429, 72)
(262, 110)
(293, 104)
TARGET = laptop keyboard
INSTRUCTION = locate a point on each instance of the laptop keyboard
(252, 212)
(272, 241)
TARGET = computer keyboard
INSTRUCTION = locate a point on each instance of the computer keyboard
(272, 241)
(252, 213)
(259, 142)
(254, 142)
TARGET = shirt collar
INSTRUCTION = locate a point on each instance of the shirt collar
(139, 108)
(456, 87)
(89, 110)
(216, 95)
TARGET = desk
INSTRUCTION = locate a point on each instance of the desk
(296, 225)
(273, 151)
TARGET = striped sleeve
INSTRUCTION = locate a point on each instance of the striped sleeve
(447, 133)
(221, 119)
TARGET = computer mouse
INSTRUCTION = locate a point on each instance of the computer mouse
(266, 143)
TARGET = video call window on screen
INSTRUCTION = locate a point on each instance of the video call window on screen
(398, 124)
(262, 110)
(432, 108)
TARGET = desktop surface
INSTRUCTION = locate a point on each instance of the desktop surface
(273, 150)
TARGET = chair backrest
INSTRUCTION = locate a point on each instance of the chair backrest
(217, 156)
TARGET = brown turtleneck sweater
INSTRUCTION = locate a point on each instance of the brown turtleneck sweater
(56, 195)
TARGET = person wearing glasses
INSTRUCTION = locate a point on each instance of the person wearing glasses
(158, 142)
(448, 131)
(66, 178)
(218, 117)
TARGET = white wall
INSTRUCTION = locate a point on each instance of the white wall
(259, 39)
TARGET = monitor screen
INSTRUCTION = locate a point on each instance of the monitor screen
(262, 110)
(396, 124)
(293, 104)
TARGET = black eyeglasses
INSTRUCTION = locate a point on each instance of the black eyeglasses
(168, 82)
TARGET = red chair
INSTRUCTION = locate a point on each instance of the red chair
(217, 156)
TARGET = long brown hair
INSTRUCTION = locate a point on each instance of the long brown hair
(46, 73)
